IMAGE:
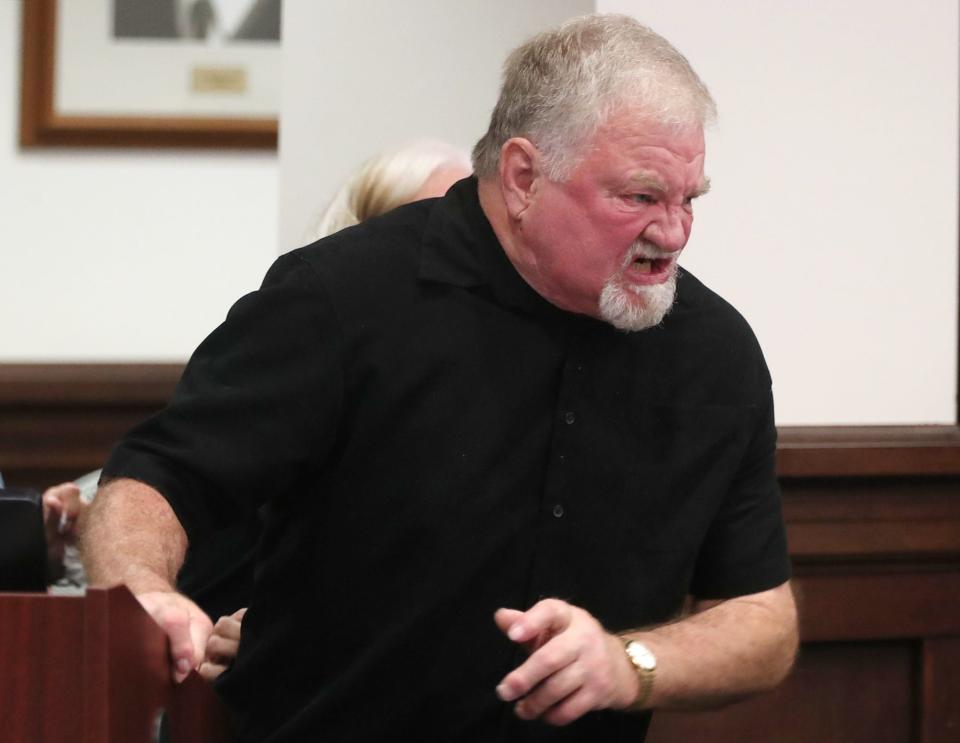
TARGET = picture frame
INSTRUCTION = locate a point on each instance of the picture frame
(46, 122)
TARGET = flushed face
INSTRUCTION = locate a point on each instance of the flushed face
(605, 241)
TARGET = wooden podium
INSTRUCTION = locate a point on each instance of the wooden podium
(95, 669)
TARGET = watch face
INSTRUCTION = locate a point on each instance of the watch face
(642, 656)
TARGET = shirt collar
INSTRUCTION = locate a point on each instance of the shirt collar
(461, 248)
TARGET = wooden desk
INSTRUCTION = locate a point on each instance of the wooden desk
(94, 669)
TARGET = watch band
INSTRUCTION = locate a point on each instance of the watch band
(645, 664)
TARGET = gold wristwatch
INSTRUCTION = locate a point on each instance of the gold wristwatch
(645, 663)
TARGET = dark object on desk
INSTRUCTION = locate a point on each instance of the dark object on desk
(23, 546)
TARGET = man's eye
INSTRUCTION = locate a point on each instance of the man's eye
(643, 198)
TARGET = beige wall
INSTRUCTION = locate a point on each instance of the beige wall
(122, 254)
(832, 223)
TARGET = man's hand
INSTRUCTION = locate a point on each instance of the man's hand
(222, 646)
(61, 508)
(186, 626)
(575, 665)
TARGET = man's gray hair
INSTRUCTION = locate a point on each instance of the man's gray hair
(562, 85)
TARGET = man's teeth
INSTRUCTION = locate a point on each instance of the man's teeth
(643, 265)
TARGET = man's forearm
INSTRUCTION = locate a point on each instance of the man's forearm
(131, 535)
(725, 652)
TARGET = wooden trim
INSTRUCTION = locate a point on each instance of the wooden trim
(51, 404)
(147, 384)
(58, 421)
(868, 451)
(887, 605)
(36, 78)
(40, 125)
(802, 451)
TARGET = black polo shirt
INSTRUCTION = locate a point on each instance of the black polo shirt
(432, 440)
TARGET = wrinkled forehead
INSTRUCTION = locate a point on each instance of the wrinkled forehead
(638, 143)
(631, 120)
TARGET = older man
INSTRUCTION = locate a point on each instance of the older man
(488, 453)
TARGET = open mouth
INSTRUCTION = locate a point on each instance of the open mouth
(650, 265)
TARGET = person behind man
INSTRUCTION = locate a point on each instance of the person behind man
(500, 437)
(422, 169)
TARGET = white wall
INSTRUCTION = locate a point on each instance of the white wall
(122, 255)
(832, 223)
(362, 76)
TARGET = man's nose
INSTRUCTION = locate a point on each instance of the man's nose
(668, 231)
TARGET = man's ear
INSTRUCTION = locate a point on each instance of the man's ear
(519, 171)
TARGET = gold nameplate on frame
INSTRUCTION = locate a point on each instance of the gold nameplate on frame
(219, 80)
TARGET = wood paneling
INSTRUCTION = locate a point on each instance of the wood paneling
(104, 675)
(941, 690)
(873, 520)
(27, 631)
(838, 693)
(867, 451)
(909, 603)
(59, 421)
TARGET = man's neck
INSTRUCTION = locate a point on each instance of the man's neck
(495, 210)
(508, 233)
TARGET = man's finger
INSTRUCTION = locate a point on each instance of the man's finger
(227, 627)
(61, 506)
(176, 624)
(210, 671)
(200, 630)
(221, 648)
(53, 509)
(572, 708)
(65, 491)
(554, 690)
(551, 658)
(186, 626)
(505, 618)
(548, 617)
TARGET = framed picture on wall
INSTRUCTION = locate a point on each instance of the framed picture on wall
(128, 73)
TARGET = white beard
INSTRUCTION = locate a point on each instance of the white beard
(637, 307)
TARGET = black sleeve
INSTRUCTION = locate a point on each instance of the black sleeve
(257, 406)
(745, 550)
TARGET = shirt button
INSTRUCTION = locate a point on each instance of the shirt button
(558, 511)
(569, 417)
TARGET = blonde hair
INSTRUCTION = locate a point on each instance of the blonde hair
(560, 86)
(387, 181)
